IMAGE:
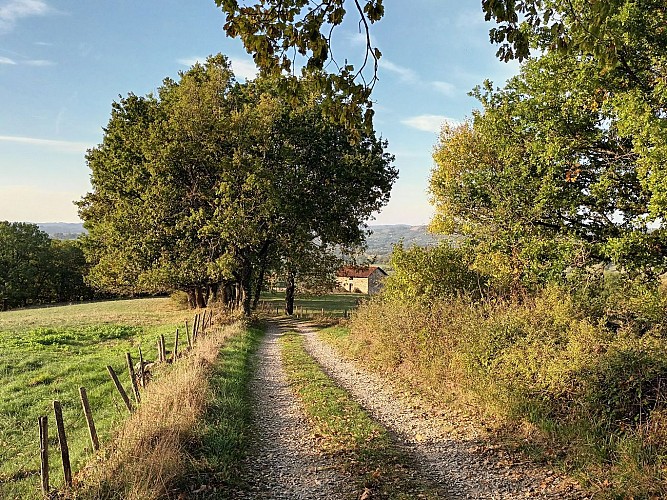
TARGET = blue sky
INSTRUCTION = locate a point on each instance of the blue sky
(63, 62)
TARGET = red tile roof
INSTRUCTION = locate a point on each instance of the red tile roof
(357, 271)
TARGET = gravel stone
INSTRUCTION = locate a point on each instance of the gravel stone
(282, 462)
(445, 444)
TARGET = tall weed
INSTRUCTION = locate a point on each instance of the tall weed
(592, 386)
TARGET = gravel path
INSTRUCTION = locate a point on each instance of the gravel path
(445, 445)
(282, 462)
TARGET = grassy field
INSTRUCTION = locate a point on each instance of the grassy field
(335, 304)
(47, 354)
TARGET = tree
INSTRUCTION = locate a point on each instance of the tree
(204, 185)
(544, 177)
(623, 39)
(35, 269)
(24, 263)
(67, 272)
(275, 31)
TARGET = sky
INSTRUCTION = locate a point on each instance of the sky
(63, 63)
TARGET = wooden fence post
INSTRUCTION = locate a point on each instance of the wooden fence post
(89, 419)
(133, 377)
(195, 327)
(163, 347)
(44, 454)
(187, 334)
(142, 372)
(175, 353)
(122, 392)
(159, 350)
(62, 440)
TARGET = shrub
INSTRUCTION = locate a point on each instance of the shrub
(594, 384)
(180, 298)
(428, 274)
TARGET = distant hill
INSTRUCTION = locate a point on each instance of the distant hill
(62, 230)
(380, 243)
(384, 237)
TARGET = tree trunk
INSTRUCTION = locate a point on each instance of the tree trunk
(246, 288)
(259, 284)
(290, 287)
(192, 299)
(199, 296)
(214, 288)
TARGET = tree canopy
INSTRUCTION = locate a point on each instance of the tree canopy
(35, 269)
(553, 173)
(205, 184)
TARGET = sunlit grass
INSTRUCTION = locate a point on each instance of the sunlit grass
(47, 354)
(335, 304)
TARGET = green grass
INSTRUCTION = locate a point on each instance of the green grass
(47, 354)
(338, 337)
(363, 447)
(336, 304)
(225, 432)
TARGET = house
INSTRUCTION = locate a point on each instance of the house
(365, 279)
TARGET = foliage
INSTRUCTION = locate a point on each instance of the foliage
(543, 180)
(24, 261)
(590, 386)
(35, 269)
(429, 274)
(623, 42)
(274, 32)
(212, 181)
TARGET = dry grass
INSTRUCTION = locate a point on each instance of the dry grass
(579, 391)
(135, 312)
(149, 456)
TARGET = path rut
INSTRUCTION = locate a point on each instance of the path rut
(282, 462)
(444, 444)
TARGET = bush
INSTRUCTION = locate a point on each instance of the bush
(428, 274)
(594, 384)
(180, 298)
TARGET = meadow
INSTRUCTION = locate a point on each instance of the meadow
(47, 354)
(334, 304)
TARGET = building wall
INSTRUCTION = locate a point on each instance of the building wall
(375, 282)
(351, 284)
(370, 285)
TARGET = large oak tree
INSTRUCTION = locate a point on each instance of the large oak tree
(207, 183)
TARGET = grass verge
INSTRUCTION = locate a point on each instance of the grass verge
(362, 447)
(189, 431)
(224, 432)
